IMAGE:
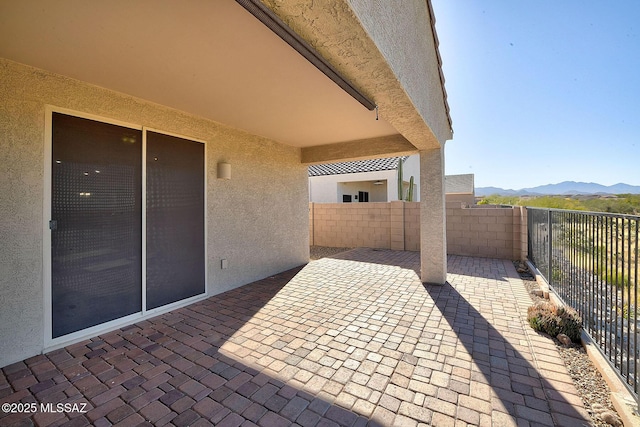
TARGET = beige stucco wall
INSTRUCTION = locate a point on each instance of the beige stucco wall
(387, 48)
(402, 32)
(491, 232)
(256, 220)
(410, 168)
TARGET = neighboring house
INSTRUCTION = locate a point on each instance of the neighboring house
(460, 188)
(376, 180)
(156, 153)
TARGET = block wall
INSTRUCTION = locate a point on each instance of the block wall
(351, 224)
(482, 231)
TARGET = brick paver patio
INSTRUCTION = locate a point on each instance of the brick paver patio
(351, 341)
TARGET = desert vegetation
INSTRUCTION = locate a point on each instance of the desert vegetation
(552, 320)
(592, 260)
(605, 245)
(621, 203)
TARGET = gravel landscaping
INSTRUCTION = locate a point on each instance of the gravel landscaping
(592, 388)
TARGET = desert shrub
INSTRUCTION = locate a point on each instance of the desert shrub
(546, 317)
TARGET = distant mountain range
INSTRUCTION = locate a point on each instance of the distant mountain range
(563, 188)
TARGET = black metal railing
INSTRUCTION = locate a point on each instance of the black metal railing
(591, 261)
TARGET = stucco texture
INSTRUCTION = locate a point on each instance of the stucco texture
(257, 220)
(401, 31)
(389, 49)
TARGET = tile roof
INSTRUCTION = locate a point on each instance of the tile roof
(373, 165)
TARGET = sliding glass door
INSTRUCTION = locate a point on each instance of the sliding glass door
(96, 212)
(98, 239)
(175, 219)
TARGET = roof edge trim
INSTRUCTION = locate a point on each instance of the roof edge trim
(436, 41)
(282, 30)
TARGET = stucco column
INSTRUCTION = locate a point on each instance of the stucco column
(433, 220)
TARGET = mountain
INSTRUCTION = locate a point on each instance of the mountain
(566, 187)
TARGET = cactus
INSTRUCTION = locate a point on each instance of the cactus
(410, 190)
(546, 317)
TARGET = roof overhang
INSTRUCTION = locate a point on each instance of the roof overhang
(216, 60)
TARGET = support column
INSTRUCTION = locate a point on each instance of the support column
(433, 221)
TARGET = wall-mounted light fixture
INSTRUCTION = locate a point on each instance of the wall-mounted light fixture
(224, 170)
(378, 182)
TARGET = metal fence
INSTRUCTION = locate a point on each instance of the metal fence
(591, 261)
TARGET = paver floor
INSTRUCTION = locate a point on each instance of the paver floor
(352, 340)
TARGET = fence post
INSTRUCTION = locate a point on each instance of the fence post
(550, 248)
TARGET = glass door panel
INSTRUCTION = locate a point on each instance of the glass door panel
(175, 219)
(96, 237)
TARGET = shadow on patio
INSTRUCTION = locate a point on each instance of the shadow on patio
(351, 340)
(485, 308)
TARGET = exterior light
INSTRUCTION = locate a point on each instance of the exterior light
(224, 170)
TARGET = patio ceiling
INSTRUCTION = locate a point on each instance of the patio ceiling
(209, 58)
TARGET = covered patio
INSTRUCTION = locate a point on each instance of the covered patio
(352, 340)
(157, 152)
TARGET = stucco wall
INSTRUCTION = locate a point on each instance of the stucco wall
(330, 188)
(388, 48)
(325, 188)
(376, 193)
(411, 168)
(395, 25)
(257, 220)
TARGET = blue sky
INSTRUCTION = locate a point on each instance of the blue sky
(542, 91)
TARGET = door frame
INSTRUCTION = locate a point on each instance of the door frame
(55, 343)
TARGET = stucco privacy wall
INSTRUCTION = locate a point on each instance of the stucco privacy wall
(479, 231)
(255, 220)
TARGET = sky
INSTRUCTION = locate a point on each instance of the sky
(542, 91)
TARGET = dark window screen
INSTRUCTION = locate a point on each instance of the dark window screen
(97, 221)
(175, 219)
